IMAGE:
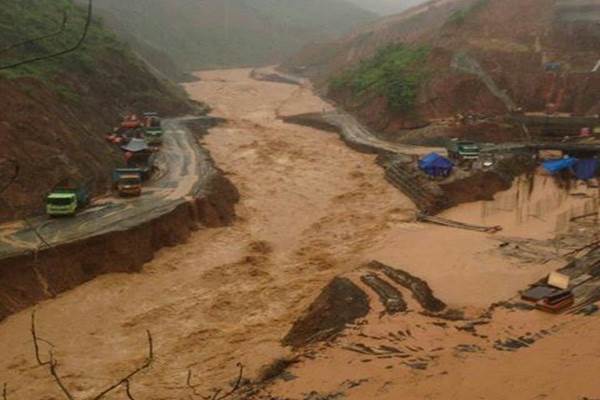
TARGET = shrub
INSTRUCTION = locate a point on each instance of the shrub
(396, 72)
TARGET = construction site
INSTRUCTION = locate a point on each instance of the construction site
(281, 237)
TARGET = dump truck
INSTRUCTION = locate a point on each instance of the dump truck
(66, 200)
(153, 131)
(463, 150)
(128, 181)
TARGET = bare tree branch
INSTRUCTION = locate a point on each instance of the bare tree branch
(62, 28)
(189, 384)
(147, 363)
(86, 28)
(53, 365)
(217, 392)
(36, 345)
(128, 391)
(216, 395)
(13, 177)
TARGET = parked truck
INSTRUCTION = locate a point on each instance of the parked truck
(127, 181)
(66, 200)
(463, 150)
(153, 131)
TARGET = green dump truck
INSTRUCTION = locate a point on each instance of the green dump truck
(153, 131)
(463, 150)
(66, 200)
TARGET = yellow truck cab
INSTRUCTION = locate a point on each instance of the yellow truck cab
(129, 185)
(61, 204)
(66, 200)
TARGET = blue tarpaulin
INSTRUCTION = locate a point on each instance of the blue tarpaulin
(586, 168)
(435, 165)
(554, 166)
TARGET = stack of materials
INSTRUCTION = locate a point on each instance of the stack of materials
(554, 296)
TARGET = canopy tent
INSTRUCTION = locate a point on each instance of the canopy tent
(135, 146)
(555, 166)
(435, 165)
(586, 168)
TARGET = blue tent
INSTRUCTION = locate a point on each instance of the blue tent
(586, 168)
(435, 165)
(554, 166)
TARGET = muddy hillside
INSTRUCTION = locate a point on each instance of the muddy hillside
(55, 113)
(463, 57)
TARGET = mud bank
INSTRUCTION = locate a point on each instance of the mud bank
(311, 120)
(270, 75)
(318, 121)
(30, 278)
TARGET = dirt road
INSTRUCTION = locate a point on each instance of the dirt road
(183, 170)
(310, 209)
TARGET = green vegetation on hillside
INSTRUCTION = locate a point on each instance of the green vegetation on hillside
(396, 72)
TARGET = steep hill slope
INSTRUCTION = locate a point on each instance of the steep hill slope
(54, 113)
(223, 33)
(483, 57)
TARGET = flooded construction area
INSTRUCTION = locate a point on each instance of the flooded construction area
(312, 209)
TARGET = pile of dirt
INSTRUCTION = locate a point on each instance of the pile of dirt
(340, 303)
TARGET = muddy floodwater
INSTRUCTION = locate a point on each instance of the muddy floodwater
(310, 209)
